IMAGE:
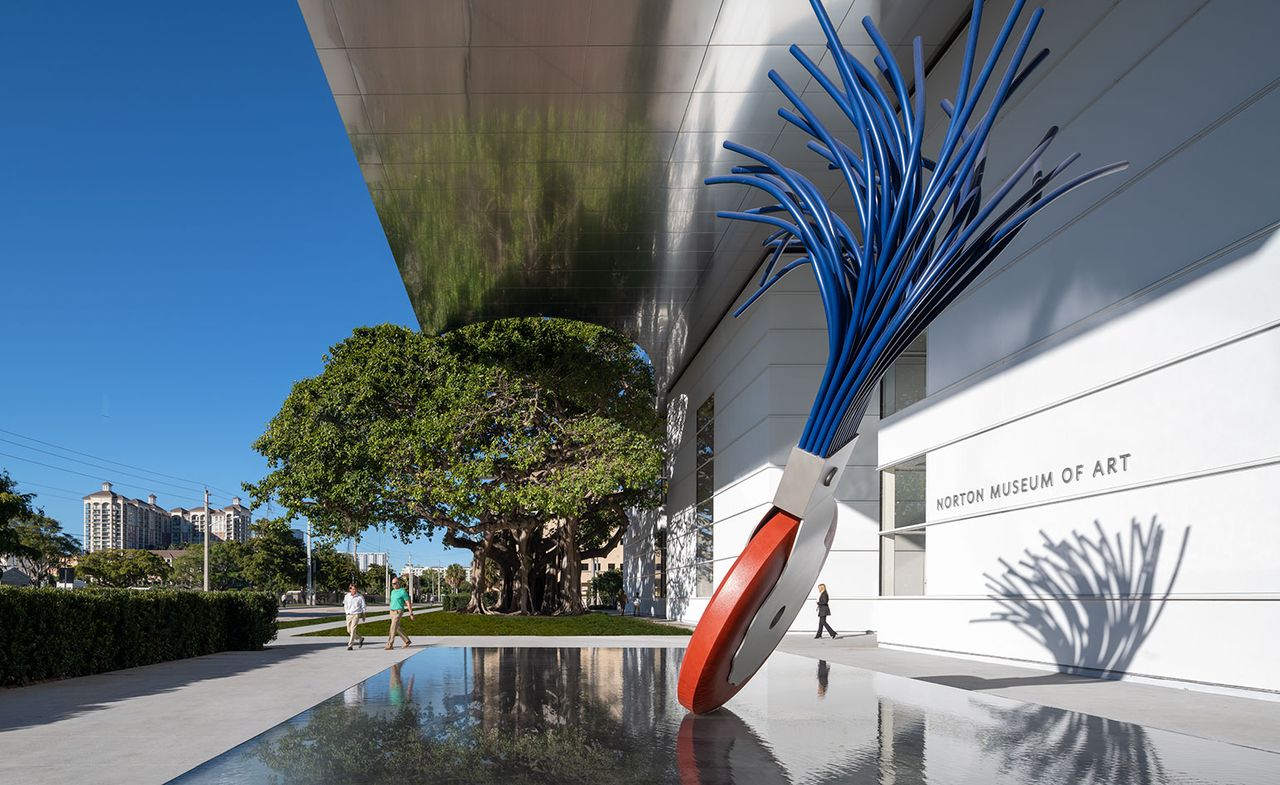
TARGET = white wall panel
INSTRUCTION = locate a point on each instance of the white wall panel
(1147, 112)
(1202, 414)
(1231, 296)
(1138, 317)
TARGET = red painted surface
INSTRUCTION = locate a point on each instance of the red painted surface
(704, 674)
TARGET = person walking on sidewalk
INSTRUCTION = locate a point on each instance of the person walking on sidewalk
(353, 606)
(400, 603)
(824, 610)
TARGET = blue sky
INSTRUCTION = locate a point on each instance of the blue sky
(183, 232)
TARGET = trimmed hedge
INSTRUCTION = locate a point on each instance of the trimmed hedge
(59, 633)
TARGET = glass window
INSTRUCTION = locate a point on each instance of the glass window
(902, 555)
(704, 510)
(904, 383)
(659, 563)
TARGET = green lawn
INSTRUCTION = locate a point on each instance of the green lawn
(284, 625)
(449, 623)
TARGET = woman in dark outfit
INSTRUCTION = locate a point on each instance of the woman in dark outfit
(824, 610)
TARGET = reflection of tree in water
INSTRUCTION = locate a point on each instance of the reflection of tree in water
(1090, 601)
(1043, 744)
(555, 208)
(532, 715)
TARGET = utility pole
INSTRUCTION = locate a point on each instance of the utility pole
(311, 594)
(208, 521)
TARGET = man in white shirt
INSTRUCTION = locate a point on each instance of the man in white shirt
(353, 604)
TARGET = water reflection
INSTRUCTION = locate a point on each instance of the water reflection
(609, 715)
(1066, 746)
(720, 747)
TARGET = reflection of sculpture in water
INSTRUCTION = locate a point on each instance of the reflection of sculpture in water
(1044, 744)
(717, 748)
(1090, 601)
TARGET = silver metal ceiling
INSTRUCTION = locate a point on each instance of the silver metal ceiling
(547, 156)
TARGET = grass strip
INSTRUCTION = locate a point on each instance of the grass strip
(448, 623)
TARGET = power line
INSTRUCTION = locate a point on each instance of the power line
(49, 487)
(118, 463)
(93, 476)
(58, 496)
(152, 480)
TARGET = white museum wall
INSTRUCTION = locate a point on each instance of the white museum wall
(1139, 319)
(1135, 318)
(763, 369)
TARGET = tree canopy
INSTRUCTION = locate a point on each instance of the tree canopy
(123, 568)
(42, 547)
(275, 560)
(520, 440)
(14, 506)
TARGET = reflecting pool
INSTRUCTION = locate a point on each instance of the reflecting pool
(609, 715)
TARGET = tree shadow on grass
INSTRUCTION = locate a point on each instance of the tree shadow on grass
(54, 701)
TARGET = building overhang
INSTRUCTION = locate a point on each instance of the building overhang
(547, 157)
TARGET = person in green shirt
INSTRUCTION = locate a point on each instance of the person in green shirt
(400, 603)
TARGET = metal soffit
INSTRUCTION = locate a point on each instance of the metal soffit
(547, 156)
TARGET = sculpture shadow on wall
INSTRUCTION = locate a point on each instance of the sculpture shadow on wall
(1091, 600)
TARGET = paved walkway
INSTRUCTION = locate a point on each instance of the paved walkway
(150, 724)
(296, 612)
(1235, 720)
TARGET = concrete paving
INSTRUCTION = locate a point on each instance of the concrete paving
(150, 724)
(1235, 720)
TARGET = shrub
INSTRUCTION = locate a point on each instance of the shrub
(56, 633)
(454, 602)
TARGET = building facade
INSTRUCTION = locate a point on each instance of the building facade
(1071, 469)
(366, 560)
(112, 521)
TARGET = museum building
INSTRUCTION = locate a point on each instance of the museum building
(1074, 467)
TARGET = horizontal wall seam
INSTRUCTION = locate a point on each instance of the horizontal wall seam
(1095, 670)
(1147, 371)
(1168, 480)
(1203, 132)
(696, 380)
(1188, 597)
(771, 465)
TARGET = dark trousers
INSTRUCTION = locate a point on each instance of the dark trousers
(823, 625)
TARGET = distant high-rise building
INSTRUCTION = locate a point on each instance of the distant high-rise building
(112, 520)
(366, 560)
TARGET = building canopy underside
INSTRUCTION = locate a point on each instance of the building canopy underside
(547, 157)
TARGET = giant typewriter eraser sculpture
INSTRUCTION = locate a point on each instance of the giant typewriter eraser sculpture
(921, 230)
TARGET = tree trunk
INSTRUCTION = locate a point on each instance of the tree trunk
(523, 600)
(569, 598)
(506, 594)
(478, 583)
